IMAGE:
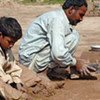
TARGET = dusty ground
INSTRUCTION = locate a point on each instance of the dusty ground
(89, 34)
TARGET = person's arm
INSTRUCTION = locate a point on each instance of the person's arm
(59, 52)
(83, 67)
(3, 65)
(15, 71)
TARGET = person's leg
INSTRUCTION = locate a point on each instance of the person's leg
(41, 60)
(59, 73)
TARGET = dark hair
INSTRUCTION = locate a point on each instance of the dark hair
(74, 3)
(10, 27)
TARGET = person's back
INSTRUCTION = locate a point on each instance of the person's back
(38, 36)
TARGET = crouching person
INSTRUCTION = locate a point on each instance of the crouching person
(10, 32)
(51, 41)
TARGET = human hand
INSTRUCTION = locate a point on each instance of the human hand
(21, 87)
(83, 68)
(86, 70)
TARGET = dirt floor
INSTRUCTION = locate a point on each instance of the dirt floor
(89, 31)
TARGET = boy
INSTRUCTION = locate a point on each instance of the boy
(10, 32)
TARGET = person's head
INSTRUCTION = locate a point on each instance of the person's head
(10, 32)
(75, 10)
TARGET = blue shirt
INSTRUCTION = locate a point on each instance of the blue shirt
(50, 38)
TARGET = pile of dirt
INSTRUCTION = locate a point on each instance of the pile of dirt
(34, 87)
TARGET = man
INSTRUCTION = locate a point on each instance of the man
(50, 41)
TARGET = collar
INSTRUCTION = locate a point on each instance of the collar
(65, 16)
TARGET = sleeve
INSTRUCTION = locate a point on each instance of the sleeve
(15, 72)
(2, 60)
(59, 52)
(13, 69)
(3, 63)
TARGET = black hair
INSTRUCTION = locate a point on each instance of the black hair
(74, 3)
(10, 27)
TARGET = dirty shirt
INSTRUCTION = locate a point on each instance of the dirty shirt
(9, 70)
